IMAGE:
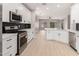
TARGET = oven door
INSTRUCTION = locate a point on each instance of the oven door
(21, 42)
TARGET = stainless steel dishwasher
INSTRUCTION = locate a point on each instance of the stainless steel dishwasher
(72, 40)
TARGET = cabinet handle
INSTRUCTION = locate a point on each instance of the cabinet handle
(9, 40)
(9, 47)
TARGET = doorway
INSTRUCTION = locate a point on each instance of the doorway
(42, 24)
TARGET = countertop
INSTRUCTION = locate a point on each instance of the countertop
(68, 30)
(71, 31)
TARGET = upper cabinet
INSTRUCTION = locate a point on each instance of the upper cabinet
(17, 8)
(74, 16)
(26, 14)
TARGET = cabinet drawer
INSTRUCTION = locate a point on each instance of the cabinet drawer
(11, 37)
(7, 48)
(7, 54)
(9, 41)
(9, 44)
(11, 52)
(4, 36)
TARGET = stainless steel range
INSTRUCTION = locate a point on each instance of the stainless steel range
(11, 27)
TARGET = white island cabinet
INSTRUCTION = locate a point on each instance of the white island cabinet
(77, 41)
(74, 40)
(9, 44)
(58, 35)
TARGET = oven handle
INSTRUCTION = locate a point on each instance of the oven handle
(21, 36)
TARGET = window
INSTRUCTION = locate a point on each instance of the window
(52, 24)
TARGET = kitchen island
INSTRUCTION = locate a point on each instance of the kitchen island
(65, 36)
(58, 35)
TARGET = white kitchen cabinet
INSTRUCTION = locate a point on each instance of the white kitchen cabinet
(52, 35)
(58, 35)
(26, 16)
(77, 42)
(74, 40)
(9, 44)
(10, 53)
(30, 35)
(15, 7)
(63, 36)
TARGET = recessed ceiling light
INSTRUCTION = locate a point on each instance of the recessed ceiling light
(58, 5)
(47, 8)
(37, 8)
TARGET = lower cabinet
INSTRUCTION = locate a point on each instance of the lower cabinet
(77, 43)
(58, 35)
(30, 35)
(52, 35)
(12, 52)
(63, 36)
(9, 45)
(74, 41)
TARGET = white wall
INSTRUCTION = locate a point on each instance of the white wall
(74, 16)
(26, 14)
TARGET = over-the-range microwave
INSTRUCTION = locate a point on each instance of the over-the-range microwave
(13, 17)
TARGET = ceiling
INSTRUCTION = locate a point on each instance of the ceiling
(49, 9)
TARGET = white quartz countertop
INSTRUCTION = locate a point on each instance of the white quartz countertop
(54, 29)
(72, 31)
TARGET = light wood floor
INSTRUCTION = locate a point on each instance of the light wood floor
(41, 47)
